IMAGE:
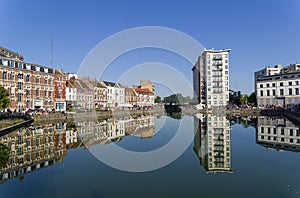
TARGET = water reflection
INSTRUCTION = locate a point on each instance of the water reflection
(212, 142)
(36, 147)
(277, 133)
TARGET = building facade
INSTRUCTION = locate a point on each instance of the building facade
(131, 96)
(60, 91)
(212, 142)
(211, 78)
(279, 133)
(145, 98)
(115, 94)
(278, 88)
(32, 148)
(30, 86)
(71, 93)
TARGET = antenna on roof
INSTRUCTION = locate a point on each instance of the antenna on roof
(62, 64)
(51, 53)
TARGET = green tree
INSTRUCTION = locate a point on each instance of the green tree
(252, 99)
(4, 99)
(177, 99)
(4, 155)
(243, 99)
(157, 99)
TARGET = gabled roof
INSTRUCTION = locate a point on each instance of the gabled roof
(112, 84)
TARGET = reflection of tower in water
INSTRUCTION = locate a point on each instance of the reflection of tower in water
(212, 142)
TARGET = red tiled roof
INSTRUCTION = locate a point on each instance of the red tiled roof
(140, 90)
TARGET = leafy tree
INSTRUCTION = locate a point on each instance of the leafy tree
(4, 155)
(4, 99)
(243, 99)
(177, 99)
(252, 99)
(157, 99)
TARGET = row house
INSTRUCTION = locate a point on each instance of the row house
(85, 95)
(145, 97)
(71, 93)
(131, 97)
(115, 94)
(100, 95)
(60, 91)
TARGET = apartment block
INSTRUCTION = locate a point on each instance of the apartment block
(212, 142)
(278, 86)
(278, 133)
(211, 78)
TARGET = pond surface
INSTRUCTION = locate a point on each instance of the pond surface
(218, 156)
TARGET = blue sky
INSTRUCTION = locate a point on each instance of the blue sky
(259, 32)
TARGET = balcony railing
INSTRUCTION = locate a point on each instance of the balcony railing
(217, 57)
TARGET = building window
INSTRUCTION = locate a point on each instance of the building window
(28, 92)
(4, 76)
(37, 92)
(261, 86)
(296, 82)
(281, 84)
(290, 83)
(50, 93)
(20, 97)
(273, 85)
(291, 132)
(20, 85)
(261, 93)
(274, 92)
(281, 92)
(20, 76)
(290, 91)
(27, 78)
(297, 91)
(12, 76)
(268, 85)
(50, 81)
(268, 92)
(37, 80)
(282, 131)
(20, 151)
(59, 96)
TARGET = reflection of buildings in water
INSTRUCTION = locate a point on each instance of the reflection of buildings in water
(142, 125)
(36, 147)
(33, 148)
(212, 142)
(277, 133)
(111, 130)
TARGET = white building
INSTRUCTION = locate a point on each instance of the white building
(115, 94)
(212, 142)
(71, 136)
(279, 134)
(278, 88)
(71, 93)
(211, 78)
(145, 97)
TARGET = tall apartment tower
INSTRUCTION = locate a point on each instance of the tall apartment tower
(211, 78)
(212, 142)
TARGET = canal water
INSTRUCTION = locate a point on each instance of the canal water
(179, 156)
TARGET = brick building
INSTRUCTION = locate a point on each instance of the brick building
(31, 86)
